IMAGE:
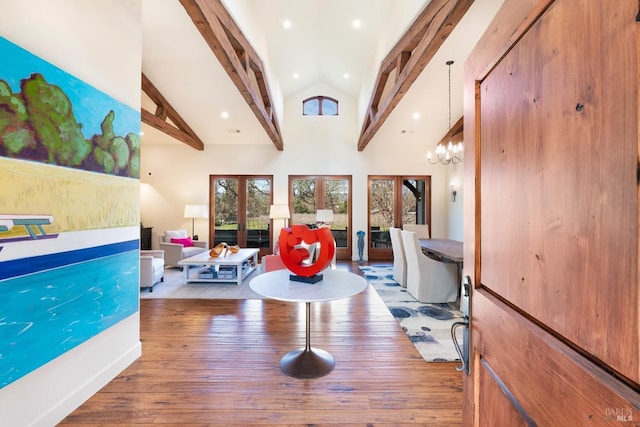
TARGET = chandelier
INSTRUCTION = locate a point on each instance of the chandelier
(449, 153)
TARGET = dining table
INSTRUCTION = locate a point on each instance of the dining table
(446, 250)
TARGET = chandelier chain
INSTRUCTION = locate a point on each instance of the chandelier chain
(449, 64)
(447, 153)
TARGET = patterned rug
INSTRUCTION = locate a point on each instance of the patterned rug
(428, 326)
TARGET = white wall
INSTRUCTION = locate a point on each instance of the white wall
(455, 177)
(99, 42)
(312, 145)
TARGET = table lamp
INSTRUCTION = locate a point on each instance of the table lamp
(324, 218)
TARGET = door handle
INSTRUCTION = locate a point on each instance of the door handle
(465, 324)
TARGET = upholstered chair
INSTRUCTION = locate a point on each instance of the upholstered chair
(399, 259)
(428, 280)
(272, 263)
(177, 245)
(151, 268)
(422, 230)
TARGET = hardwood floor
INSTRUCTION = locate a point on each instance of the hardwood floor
(215, 363)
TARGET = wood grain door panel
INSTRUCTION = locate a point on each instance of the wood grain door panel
(558, 181)
(552, 216)
(497, 405)
(551, 383)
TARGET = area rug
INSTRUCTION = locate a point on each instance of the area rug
(428, 326)
(175, 286)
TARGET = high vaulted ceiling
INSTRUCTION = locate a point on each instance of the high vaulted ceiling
(321, 48)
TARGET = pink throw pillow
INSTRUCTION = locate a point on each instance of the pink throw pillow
(186, 241)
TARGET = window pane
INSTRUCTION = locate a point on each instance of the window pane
(304, 201)
(258, 202)
(336, 198)
(226, 211)
(329, 107)
(311, 107)
(414, 201)
(382, 210)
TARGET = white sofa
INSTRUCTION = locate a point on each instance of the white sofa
(175, 252)
(151, 268)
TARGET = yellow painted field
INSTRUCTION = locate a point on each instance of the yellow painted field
(78, 200)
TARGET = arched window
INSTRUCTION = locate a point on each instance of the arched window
(320, 106)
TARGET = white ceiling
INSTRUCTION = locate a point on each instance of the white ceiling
(320, 46)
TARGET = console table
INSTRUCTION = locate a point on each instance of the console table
(145, 237)
(308, 362)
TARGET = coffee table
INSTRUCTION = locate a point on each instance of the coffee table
(308, 362)
(233, 261)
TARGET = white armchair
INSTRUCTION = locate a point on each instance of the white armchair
(399, 258)
(428, 280)
(422, 230)
(151, 268)
(175, 252)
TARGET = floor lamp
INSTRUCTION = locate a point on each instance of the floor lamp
(279, 212)
(195, 211)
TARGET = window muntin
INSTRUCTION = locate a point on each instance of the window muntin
(320, 106)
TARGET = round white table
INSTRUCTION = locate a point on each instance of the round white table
(308, 362)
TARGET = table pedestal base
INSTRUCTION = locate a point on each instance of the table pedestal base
(307, 363)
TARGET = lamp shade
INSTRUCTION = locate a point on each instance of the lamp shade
(279, 212)
(324, 215)
(196, 211)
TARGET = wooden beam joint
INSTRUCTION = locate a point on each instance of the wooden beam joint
(237, 57)
(181, 131)
(409, 57)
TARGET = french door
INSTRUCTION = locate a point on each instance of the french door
(239, 210)
(307, 194)
(394, 201)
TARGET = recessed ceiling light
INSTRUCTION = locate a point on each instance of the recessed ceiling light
(416, 116)
(141, 133)
(286, 24)
(356, 23)
(224, 115)
(346, 75)
(296, 75)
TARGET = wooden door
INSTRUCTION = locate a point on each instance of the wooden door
(551, 226)
(308, 193)
(392, 202)
(239, 211)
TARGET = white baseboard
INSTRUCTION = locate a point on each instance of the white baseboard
(47, 395)
(91, 387)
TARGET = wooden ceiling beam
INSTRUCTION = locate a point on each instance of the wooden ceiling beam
(237, 57)
(455, 134)
(154, 121)
(408, 57)
(181, 131)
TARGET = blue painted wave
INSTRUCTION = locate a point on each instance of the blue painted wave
(45, 314)
(22, 266)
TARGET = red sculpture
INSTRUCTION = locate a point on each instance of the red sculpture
(293, 252)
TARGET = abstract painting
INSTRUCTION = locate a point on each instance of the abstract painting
(69, 211)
